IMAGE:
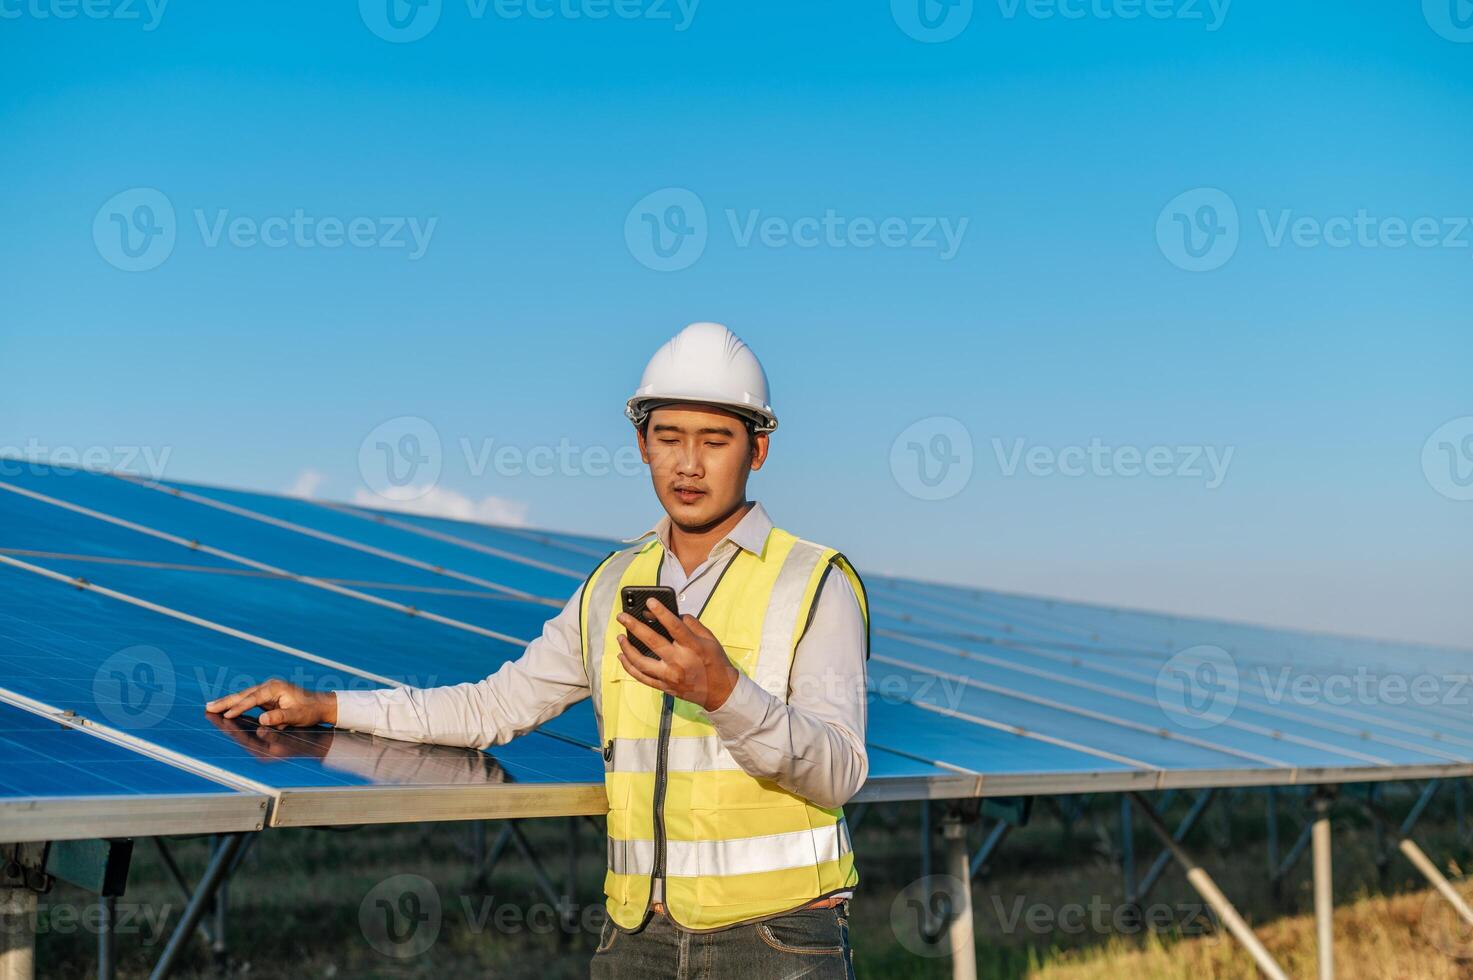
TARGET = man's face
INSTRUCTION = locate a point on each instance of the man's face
(699, 459)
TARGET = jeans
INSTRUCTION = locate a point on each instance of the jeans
(808, 943)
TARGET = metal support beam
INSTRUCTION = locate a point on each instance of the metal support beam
(1210, 893)
(1324, 908)
(1423, 864)
(994, 840)
(215, 873)
(1153, 874)
(958, 865)
(541, 877)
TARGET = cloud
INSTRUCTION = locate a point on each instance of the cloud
(306, 484)
(440, 502)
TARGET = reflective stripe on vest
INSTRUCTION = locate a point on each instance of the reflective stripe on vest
(735, 847)
(750, 855)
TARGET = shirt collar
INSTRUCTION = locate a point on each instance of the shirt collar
(749, 534)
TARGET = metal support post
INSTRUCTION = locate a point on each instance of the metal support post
(1271, 815)
(958, 865)
(1324, 908)
(1153, 874)
(107, 946)
(22, 878)
(1127, 848)
(1423, 864)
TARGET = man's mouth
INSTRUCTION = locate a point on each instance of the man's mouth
(688, 495)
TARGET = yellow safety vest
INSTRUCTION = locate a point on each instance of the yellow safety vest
(730, 847)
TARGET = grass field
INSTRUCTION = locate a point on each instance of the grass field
(1048, 909)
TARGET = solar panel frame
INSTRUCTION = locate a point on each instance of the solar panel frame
(203, 806)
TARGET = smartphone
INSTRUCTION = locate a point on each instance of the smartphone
(636, 603)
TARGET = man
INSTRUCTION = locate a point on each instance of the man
(730, 751)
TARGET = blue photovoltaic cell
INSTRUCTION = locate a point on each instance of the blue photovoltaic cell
(1140, 703)
(282, 548)
(907, 728)
(504, 571)
(1304, 721)
(1427, 727)
(541, 546)
(150, 675)
(40, 758)
(1144, 747)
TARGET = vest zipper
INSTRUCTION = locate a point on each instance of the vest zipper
(662, 757)
(662, 776)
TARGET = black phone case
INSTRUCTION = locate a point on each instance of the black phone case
(635, 601)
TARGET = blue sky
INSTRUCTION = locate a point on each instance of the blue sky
(1319, 357)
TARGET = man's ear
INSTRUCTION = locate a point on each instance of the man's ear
(644, 450)
(759, 450)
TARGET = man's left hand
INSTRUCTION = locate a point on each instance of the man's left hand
(691, 665)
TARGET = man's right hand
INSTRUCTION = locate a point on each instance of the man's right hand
(286, 705)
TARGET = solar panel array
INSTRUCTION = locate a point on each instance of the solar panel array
(126, 605)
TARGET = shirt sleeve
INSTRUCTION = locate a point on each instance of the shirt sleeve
(540, 684)
(812, 744)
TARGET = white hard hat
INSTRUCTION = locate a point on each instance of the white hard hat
(706, 363)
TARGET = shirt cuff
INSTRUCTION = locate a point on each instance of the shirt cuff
(745, 708)
(359, 711)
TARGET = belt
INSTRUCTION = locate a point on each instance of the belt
(818, 903)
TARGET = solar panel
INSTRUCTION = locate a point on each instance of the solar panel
(60, 781)
(973, 693)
